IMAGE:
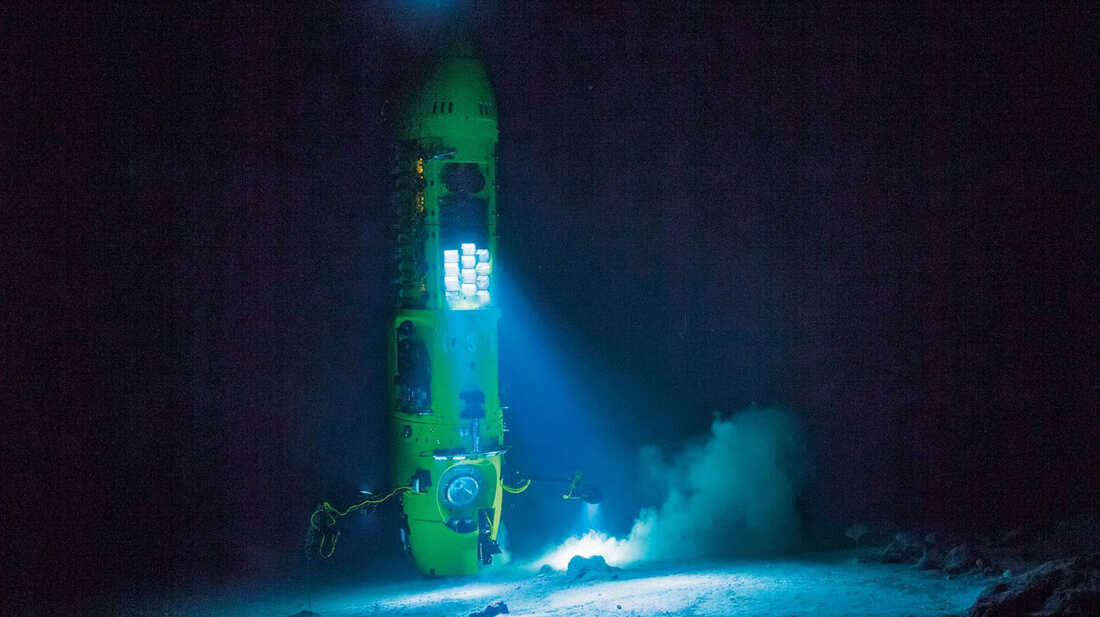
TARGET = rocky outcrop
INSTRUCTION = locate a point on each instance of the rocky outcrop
(1064, 588)
(905, 548)
(582, 566)
(494, 609)
(932, 559)
(964, 558)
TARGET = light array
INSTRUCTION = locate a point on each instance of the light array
(466, 273)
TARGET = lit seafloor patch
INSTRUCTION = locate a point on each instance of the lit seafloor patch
(617, 552)
(829, 585)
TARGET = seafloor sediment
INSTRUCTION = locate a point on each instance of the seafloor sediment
(828, 585)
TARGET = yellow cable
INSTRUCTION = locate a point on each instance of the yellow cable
(321, 546)
(368, 502)
(332, 512)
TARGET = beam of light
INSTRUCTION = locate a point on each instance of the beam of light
(591, 512)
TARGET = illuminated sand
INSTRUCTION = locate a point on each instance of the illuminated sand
(827, 585)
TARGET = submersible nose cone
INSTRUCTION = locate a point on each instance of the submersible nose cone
(454, 100)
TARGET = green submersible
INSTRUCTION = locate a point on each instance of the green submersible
(445, 420)
(445, 423)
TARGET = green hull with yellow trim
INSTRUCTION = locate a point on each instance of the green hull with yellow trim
(445, 421)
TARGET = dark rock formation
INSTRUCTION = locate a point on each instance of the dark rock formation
(580, 566)
(963, 558)
(906, 547)
(1065, 588)
(496, 608)
(932, 559)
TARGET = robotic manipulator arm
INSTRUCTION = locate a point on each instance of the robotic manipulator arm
(577, 487)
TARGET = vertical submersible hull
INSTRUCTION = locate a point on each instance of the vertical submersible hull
(445, 421)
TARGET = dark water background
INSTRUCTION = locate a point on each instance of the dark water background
(882, 219)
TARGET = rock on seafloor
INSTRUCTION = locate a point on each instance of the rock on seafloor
(496, 608)
(905, 547)
(932, 559)
(963, 558)
(1064, 588)
(580, 566)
